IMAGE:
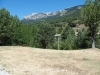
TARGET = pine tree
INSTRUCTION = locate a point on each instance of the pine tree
(4, 26)
(8, 27)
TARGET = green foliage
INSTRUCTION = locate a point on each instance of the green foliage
(12, 31)
(69, 43)
(42, 34)
(72, 24)
(98, 41)
(8, 26)
(55, 44)
(60, 29)
(67, 31)
(25, 34)
(91, 16)
(15, 24)
(45, 34)
(68, 39)
(83, 39)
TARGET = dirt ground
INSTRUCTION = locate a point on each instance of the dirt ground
(18, 60)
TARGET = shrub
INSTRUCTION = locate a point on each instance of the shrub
(24, 45)
(14, 44)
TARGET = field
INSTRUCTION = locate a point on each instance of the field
(18, 60)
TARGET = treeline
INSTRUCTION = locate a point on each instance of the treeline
(41, 34)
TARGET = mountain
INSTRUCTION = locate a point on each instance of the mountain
(50, 15)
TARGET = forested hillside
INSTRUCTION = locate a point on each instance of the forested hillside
(41, 34)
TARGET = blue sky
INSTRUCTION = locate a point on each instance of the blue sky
(24, 7)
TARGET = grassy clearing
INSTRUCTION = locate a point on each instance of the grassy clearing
(33, 61)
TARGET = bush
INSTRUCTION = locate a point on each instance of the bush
(14, 44)
(24, 45)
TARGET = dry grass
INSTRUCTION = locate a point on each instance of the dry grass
(32, 61)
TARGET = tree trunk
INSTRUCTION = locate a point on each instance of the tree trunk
(93, 42)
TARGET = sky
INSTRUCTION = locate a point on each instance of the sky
(25, 7)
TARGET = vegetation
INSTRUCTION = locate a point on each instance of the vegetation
(41, 34)
(45, 35)
(8, 27)
(91, 13)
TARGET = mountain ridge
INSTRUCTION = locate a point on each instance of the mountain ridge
(55, 14)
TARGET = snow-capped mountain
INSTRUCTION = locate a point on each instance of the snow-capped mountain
(37, 16)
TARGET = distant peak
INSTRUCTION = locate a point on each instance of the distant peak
(42, 15)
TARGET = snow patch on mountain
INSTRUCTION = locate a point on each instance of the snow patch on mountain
(36, 16)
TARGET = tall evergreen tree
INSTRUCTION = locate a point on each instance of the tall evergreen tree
(4, 26)
(15, 23)
(8, 26)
